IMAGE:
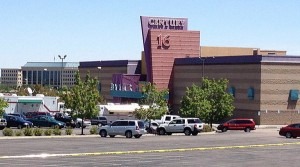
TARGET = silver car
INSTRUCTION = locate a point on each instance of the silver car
(126, 128)
(187, 126)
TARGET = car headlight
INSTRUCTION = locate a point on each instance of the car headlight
(26, 123)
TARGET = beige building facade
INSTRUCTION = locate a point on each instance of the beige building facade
(265, 88)
(11, 77)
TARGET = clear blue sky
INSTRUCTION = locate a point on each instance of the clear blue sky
(92, 30)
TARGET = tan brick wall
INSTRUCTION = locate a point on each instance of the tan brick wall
(209, 51)
(241, 77)
(279, 118)
(277, 81)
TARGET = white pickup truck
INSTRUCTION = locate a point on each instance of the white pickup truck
(166, 119)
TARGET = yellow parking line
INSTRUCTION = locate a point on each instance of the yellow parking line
(147, 151)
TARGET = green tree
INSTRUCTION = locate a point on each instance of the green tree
(82, 98)
(3, 104)
(210, 102)
(156, 100)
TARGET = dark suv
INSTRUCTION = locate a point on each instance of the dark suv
(238, 124)
(64, 118)
(101, 121)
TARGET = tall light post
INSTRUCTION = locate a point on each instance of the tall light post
(99, 73)
(203, 60)
(61, 71)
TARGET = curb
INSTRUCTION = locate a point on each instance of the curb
(46, 137)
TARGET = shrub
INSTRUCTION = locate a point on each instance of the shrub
(207, 128)
(93, 130)
(38, 131)
(69, 131)
(48, 132)
(56, 131)
(7, 132)
(18, 132)
(28, 132)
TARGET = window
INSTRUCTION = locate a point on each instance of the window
(141, 124)
(179, 121)
(131, 123)
(124, 123)
(190, 121)
(232, 91)
(251, 93)
(168, 118)
(116, 123)
(294, 94)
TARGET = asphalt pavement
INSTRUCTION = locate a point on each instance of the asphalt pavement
(262, 147)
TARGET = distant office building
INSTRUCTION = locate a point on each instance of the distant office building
(49, 73)
(11, 76)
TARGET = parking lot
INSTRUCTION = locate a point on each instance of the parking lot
(262, 147)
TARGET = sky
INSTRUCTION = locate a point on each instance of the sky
(94, 30)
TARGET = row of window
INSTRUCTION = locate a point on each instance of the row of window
(10, 71)
(250, 92)
(9, 79)
(12, 75)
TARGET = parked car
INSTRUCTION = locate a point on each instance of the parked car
(46, 121)
(78, 122)
(238, 124)
(18, 115)
(153, 126)
(166, 119)
(37, 113)
(187, 126)
(100, 121)
(3, 123)
(65, 118)
(126, 128)
(290, 131)
(15, 121)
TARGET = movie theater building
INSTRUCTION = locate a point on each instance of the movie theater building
(265, 83)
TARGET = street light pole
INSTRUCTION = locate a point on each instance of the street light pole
(61, 71)
(202, 59)
(99, 73)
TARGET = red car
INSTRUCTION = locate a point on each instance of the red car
(292, 130)
(238, 124)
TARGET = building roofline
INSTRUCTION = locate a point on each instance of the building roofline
(246, 59)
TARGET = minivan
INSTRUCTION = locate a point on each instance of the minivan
(238, 124)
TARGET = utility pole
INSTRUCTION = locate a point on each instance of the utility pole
(61, 71)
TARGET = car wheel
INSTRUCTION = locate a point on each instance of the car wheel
(247, 129)
(288, 135)
(19, 126)
(103, 133)
(128, 134)
(78, 125)
(161, 132)
(187, 132)
(112, 136)
(224, 129)
(195, 133)
(137, 136)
